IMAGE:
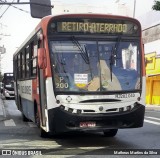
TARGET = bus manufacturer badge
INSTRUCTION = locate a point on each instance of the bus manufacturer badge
(69, 99)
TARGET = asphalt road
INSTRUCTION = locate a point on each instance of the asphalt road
(21, 136)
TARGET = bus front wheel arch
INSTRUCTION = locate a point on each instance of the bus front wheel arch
(42, 132)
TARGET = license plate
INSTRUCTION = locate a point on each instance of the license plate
(87, 124)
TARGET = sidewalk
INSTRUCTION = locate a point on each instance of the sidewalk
(2, 110)
(153, 107)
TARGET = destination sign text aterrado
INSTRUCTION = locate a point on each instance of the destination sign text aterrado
(92, 27)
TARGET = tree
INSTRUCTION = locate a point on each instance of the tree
(156, 5)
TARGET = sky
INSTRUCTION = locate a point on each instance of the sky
(16, 23)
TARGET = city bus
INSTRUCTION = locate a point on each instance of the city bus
(7, 87)
(82, 72)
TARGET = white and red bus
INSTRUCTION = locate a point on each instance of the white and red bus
(82, 72)
(7, 89)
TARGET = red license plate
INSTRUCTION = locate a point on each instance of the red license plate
(87, 124)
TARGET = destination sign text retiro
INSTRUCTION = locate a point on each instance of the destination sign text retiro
(92, 27)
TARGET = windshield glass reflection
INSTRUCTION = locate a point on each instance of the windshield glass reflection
(95, 66)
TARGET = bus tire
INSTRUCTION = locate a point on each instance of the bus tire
(110, 132)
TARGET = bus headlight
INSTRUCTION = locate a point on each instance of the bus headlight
(6, 91)
(62, 107)
(58, 101)
(121, 109)
(129, 108)
(139, 98)
(70, 110)
(79, 111)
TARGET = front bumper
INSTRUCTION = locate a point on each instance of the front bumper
(63, 121)
(9, 95)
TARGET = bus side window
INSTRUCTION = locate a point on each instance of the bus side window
(15, 67)
(19, 66)
(27, 62)
(33, 58)
(23, 64)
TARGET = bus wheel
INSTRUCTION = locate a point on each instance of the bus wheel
(110, 132)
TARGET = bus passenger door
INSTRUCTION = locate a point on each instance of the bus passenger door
(42, 83)
(42, 95)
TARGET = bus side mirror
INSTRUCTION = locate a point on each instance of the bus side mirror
(40, 8)
(42, 63)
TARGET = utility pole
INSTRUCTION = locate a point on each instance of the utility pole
(134, 9)
(2, 51)
(2, 48)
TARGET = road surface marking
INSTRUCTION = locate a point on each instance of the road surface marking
(152, 122)
(91, 147)
(9, 122)
(154, 118)
(30, 145)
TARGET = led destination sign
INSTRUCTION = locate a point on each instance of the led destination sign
(91, 27)
(96, 27)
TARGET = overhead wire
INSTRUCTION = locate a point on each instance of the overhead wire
(5, 10)
(10, 5)
(20, 9)
(2, 5)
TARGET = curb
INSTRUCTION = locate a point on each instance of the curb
(1, 107)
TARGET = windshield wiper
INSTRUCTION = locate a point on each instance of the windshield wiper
(114, 55)
(83, 53)
(111, 63)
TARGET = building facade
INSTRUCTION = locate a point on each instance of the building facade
(151, 39)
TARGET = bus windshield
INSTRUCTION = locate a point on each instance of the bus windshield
(95, 65)
(8, 81)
